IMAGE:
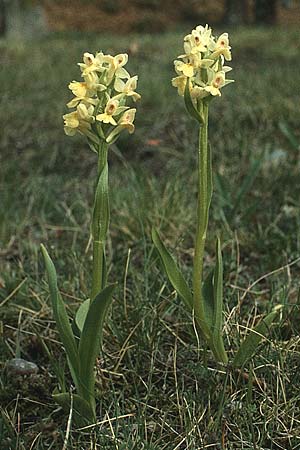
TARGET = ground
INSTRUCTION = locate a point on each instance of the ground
(148, 15)
(158, 387)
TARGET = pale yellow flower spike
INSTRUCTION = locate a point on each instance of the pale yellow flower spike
(203, 64)
(102, 97)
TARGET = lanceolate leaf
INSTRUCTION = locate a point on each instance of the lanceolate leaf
(212, 292)
(104, 270)
(208, 298)
(61, 318)
(101, 207)
(81, 314)
(81, 408)
(250, 344)
(91, 340)
(173, 273)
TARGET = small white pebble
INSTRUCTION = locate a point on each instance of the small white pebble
(20, 366)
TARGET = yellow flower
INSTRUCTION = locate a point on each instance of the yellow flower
(191, 63)
(112, 108)
(180, 83)
(79, 89)
(92, 82)
(114, 65)
(193, 43)
(79, 120)
(120, 61)
(205, 33)
(222, 47)
(125, 122)
(90, 64)
(186, 68)
(88, 59)
(216, 82)
(198, 92)
(82, 94)
(71, 123)
(127, 88)
(85, 113)
(199, 41)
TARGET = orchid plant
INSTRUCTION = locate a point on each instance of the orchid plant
(201, 75)
(100, 113)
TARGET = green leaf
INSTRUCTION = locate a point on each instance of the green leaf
(61, 318)
(212, 292)
(252, 341)
(83, 413)
(190, 105)
(173, 273)
(81, 314)
(100, 220)
(104, 270)
(208, 298)
(92, 146)
(91, 339)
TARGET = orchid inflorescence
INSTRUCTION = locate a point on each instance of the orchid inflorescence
(100, 100)
(203, 64)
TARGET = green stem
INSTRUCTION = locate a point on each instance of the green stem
(202, 222)
(98, 234)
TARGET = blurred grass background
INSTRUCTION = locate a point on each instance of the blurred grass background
(153, 372)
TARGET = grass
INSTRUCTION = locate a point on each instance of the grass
(158, 387)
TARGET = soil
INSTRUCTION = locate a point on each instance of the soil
(144, 15)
